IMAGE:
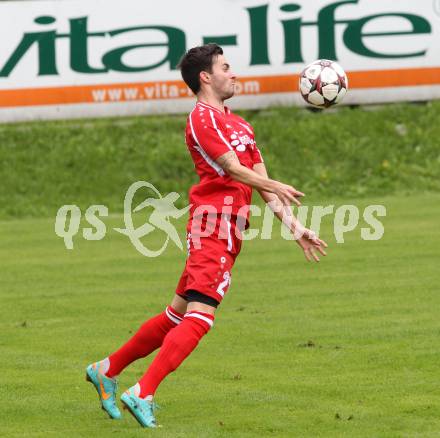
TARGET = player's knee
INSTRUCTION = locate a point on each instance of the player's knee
(201, 323)
(179, 304)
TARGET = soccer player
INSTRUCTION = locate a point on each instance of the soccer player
(229, 164)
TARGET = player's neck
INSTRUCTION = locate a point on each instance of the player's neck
(211, 101)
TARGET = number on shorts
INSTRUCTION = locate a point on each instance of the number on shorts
(224, 284)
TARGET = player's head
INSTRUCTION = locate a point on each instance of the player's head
(205, 68)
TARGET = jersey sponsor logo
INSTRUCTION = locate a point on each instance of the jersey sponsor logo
(239, 141)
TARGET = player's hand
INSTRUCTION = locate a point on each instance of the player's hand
(287, 194)
(312, 245)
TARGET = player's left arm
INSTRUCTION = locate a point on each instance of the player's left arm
(309, 242)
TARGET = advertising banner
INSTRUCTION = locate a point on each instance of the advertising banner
(84, 58)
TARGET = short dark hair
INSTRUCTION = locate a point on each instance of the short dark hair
(196, 60)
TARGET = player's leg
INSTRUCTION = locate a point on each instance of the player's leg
(179, 343)
(179, 304)
(177, 346)
(148, 338)
(204, 282)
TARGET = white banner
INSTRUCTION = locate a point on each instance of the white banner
(105, 57)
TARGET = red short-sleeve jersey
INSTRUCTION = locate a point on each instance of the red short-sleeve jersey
(211, 133)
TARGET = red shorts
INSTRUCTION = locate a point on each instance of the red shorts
(213, 243)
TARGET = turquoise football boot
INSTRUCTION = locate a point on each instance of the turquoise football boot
(106, 388)
(141, 409)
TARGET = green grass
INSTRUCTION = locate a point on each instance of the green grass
(345, 348)
(350, 152)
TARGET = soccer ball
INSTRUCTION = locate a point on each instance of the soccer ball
(323, 83)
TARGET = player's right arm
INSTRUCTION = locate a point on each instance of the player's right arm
(207, 132)
(306, 239)
(230, 163)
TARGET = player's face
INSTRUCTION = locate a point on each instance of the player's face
(222, 78)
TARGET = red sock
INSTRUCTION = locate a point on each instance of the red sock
(148, 338)
(177, 345)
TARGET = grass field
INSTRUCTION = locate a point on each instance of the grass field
(346, 348)
(350, 152)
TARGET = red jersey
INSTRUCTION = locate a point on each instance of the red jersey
(211, 133)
